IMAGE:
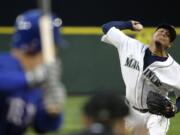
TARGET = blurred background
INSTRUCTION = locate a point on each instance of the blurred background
(88, 64)
(97, 12)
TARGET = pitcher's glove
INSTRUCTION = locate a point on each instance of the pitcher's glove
(160, 105)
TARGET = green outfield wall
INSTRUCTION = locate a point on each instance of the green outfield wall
(88, 64)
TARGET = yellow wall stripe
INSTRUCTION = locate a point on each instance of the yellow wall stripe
(6, 30)
(81, 30)
(73, 30)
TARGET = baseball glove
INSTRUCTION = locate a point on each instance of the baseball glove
(160, 105)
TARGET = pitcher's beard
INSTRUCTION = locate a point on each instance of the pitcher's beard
(160, 48)
(158, 45)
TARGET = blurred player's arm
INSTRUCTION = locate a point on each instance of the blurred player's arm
(12, 81)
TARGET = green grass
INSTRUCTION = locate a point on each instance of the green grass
(73, 113)
(174, 125)
(73, 118)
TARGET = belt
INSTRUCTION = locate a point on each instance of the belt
(141, 110)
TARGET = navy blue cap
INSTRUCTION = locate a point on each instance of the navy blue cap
(171, 30)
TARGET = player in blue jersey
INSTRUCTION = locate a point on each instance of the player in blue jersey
(26, 92)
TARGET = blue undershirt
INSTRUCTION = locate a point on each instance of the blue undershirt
(149, 58)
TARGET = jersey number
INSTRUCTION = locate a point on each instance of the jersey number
(19, 112)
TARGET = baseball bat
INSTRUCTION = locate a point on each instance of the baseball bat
(46, 32)
(53, 105)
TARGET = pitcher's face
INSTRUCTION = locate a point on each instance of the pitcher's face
(162, 36)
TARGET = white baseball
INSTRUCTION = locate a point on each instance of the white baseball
(139, 26)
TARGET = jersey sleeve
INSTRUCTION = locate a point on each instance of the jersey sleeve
(121, 41)
(44, 122)
(12, 81)
(117, 24)
(12, 76)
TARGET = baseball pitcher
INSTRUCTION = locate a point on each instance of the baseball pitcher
(149, 73)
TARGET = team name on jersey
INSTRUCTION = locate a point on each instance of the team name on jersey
(152, 77)
(132, 63)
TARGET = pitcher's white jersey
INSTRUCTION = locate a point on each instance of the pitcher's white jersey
(161, 77)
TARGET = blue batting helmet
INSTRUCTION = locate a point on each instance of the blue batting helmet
(27, 32)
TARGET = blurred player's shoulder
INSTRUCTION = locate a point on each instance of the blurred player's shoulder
(8, 61)
(5, 56)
